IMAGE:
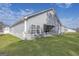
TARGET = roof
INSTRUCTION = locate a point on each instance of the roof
(32, 15)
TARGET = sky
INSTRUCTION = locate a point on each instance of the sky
(68, 13)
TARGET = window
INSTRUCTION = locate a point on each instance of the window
(32, 26)
(47, 28)
(35, 29)
(32, 29)
(38, 29)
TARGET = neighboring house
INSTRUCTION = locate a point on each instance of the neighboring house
(4, 29)
(42, 23)
(67, 30)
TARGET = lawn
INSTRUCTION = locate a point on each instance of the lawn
(61, 45)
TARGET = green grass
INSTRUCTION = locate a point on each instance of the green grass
(61, 45)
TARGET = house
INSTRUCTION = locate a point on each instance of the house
(42, 23)
(6, 29)
(67, 30)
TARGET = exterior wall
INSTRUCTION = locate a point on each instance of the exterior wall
(54, 21)
(36, 20)
(62, 30)
(41, 20)
(18, 30)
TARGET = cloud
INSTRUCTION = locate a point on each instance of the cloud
(5, 5)
(9, 16)
(76, 22)
(64, 5)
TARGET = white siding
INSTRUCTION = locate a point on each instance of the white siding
(37, 20)
(18, 30)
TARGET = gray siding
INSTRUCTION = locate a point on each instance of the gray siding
(18, 30)
(37, 20)
(53, 20)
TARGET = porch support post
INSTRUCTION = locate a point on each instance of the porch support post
(25, 29)
(25, 26)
